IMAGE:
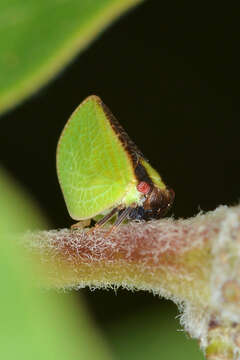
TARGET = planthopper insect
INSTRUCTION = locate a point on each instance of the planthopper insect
(102, 172)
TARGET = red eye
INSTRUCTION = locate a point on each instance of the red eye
(143, 187)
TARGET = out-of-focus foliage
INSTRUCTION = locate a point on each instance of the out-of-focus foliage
(153, 335)
(35, 324)
(18, 213)
(39, 37)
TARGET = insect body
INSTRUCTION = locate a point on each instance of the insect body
(101, 171)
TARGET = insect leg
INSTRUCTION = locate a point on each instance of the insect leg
(121, 218)
(107, 217)
(81, 224)
(103, 220)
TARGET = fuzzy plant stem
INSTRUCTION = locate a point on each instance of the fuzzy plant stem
(194, 262)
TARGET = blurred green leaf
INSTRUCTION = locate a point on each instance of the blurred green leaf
(18, 212)
(153, 334)
(36, 324)
(39, 37)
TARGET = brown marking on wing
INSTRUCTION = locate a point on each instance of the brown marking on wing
(132, 150)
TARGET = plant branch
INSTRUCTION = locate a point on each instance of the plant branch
(194, 262)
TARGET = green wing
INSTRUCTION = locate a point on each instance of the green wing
(93, 168)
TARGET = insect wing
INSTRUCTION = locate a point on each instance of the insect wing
(93, 167)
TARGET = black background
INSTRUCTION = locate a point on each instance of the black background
(170, 74)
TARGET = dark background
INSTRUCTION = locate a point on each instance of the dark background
(170, 74)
